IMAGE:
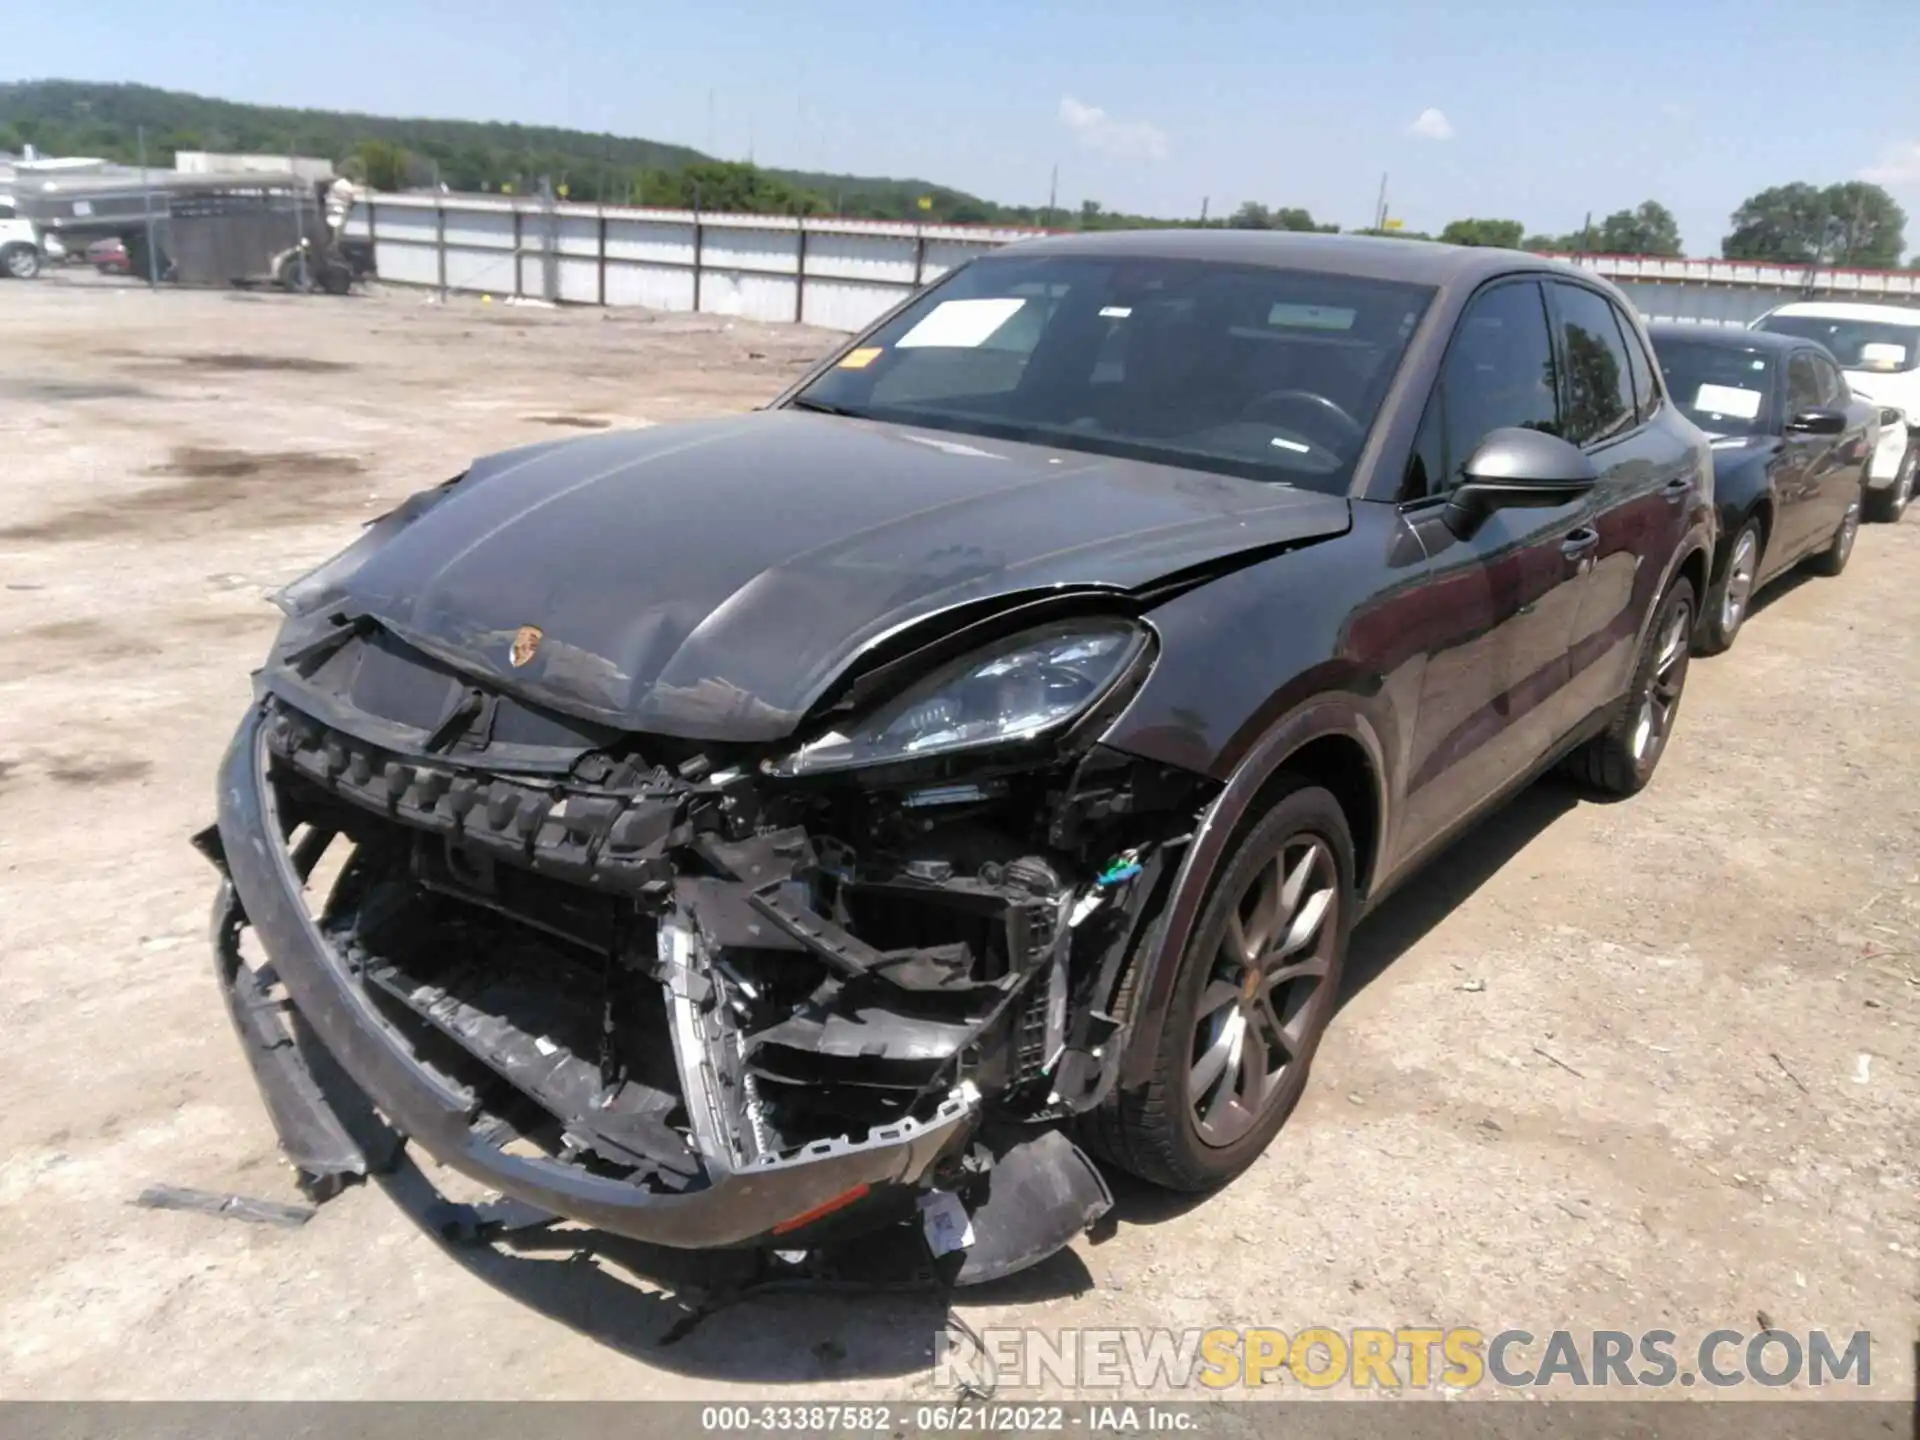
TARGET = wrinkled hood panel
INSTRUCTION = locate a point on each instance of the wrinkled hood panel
(710, 580)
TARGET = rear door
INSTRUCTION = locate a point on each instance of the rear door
(1500, 604)
(1641, 505)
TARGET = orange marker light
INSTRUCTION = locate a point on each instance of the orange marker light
(807, 1217)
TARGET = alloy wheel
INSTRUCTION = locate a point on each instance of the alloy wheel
(1740, 572)
(1662, 695)
(1849, 530)
(22, 263)
(1255, 1015)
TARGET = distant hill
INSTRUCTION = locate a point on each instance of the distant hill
(82, 118)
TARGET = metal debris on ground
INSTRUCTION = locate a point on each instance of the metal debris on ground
(226, 1207)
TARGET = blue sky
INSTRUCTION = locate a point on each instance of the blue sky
(1536, 111)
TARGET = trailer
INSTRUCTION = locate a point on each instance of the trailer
(209, 229)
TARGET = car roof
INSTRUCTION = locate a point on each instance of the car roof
(1727, 337)
(1371, 257)
(1849, 310)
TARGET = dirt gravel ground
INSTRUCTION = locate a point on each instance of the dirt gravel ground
(1649, 1065)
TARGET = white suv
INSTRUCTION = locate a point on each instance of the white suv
(1878, 347)
(20, 249)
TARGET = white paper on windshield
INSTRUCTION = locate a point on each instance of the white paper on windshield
(1727, 400)
(1311, 317)
(960, 324)
(1881, 353)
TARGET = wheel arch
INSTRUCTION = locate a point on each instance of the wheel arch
(1329, 742)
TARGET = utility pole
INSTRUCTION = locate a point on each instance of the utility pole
(1053, 192)
(1203, 210)
(1380, 206)
(1586, 233)
(146, 202)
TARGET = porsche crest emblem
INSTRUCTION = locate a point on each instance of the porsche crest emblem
(526, 644)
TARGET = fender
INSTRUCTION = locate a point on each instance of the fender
(1699, 540)
(1321, 717)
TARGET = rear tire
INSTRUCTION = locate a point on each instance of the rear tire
(1621, 759)
(1188, 1128)
(1832, 560)
(1885, 507)
(21, 261)
(1727, 603)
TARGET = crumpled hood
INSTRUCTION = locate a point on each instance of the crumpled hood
(710, 580)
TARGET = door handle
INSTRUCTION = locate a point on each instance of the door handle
(1580, 543)
(1674, 491)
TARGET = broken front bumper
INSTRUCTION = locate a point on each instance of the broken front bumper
(721, 1205)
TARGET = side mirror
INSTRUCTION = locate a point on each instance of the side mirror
(1515, 467)
(1821, 420)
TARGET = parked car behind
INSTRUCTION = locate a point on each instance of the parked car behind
(21, 255)
(109, 256)
(777, 817)
(1878, 349)
(1791, 448)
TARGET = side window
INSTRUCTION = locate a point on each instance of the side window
(1498, 372)
(1599, 375)
(1427, 466)
(1803, 383)
(1646, 394)
(1833, 385)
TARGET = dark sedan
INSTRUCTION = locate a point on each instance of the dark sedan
(758, 828)
(1791, 449)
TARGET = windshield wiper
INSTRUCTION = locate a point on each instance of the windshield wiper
(822, 407)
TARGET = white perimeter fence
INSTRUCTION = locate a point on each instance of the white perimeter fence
(841, 274)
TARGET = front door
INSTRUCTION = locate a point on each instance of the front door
(1804, 466)
(1501, 602)
(1643, 502)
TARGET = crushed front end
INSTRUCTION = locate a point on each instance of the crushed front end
(677, 989)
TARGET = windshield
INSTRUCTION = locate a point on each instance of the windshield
(1724, 389)
(1877, 346)
(1266, 373)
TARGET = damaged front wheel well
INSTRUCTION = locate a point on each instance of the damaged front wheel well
(1340, 765)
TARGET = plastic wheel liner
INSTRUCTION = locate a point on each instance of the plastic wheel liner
(672, 997)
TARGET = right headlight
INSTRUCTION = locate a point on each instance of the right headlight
(1016, 689)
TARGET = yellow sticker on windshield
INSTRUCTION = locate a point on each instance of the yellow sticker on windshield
(861, 358)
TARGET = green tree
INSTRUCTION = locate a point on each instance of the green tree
(1251, 216)
(1502, 234)
(1648, 230)
(1867, 227)
(381, 164)
(1850, 224)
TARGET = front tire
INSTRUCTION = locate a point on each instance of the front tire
(1620, 760)
(1727, 603)
(1253, 995)
(1885, 507)
(22, 262)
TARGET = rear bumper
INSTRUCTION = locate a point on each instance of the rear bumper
(265, 890)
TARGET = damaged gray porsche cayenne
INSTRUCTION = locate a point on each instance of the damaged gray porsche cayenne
(750, 832)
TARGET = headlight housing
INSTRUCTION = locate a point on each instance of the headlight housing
(1015, 689)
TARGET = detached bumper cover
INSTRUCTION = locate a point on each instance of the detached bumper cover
(731, 1206)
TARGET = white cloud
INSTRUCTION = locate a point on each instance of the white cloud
(1097, 130)
(1899, 166)
(1432, 125)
